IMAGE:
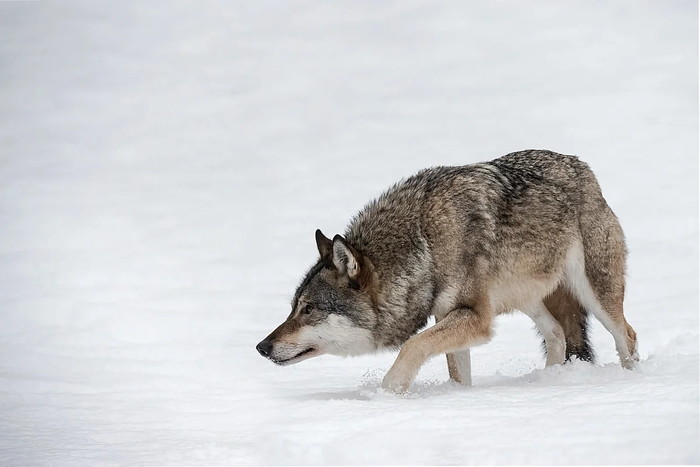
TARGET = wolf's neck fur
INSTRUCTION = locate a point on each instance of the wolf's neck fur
(389, 232)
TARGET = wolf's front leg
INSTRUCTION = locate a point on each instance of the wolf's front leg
(461, 328)
(459, 366)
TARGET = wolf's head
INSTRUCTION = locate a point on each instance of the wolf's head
(333, 310)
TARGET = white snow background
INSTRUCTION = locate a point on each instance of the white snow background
(163, 167)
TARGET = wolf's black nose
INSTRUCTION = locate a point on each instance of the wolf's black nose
(264, 348)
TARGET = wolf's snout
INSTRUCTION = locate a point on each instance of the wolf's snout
(264, 348)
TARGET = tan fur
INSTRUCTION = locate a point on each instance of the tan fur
(460, 329)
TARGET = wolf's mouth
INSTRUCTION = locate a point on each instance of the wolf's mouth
(295, 358)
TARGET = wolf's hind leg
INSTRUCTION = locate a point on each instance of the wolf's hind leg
(459, 365)
(550, 329)
(595, 270)
(613, 320)
(461, 328)
(573, 318)
(598, 282)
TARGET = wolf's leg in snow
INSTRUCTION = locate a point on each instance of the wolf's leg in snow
(462, 328)
(551, 330)
(459, 365)
(614, 321)
(573, 318)
(596, 278)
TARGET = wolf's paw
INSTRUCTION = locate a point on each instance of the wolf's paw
(395, 383)
(630, 362)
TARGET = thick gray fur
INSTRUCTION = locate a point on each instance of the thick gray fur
(468, 243)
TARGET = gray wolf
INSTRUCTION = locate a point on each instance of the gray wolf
(529, 231)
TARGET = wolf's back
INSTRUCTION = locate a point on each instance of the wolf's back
(537, 202)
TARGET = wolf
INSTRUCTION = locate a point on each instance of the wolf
(529, 231)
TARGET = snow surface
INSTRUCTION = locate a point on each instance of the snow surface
(163, 167)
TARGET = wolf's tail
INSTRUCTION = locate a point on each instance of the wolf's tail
(573, 318)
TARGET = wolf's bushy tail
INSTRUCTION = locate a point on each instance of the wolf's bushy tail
(573, 318)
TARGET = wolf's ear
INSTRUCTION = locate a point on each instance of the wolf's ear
(345, 258)
(324, 244)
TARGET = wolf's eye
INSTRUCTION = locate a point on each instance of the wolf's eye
(307, 309)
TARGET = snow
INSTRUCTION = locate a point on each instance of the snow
(163, 167)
